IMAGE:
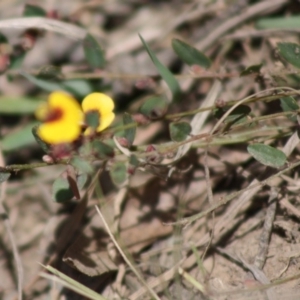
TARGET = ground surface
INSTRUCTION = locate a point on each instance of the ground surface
(226, 254)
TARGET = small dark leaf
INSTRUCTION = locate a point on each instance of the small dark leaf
(42, 83)
(18, 105)
(154, 107)
(18, 139)
(282, 22)
(190, 55)
(45, 146)
(164, 72)
(49, 72)
(33, 11)
(290, 52)
(238, 115)
(102, 150)
(4, 176)
(129, 133)
(81, 165)
(94, 54)
(75, 87)
(92, 119)
(289, 104)
(61, 190)
(3, 39)
(179, 131)
(118, 173)
(254, 69)
(267, 155)
(133, 160)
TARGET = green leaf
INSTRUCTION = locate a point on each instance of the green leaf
(133, 160)
(289, 104)
(77, 87)
(94, 54)
(33, 11)
(164, 72)
(179, 131)
(61, 190)
(190, 55)
(238, 115)
(129, 133)
(18, 139)
(18, 105)
(154, 107)
(118, 173)
(254, 69)
(290, 52)
(49, 72)
(42, 83)
(290, 22)
(3, 39)
(102, 150)
(81, 165)
(267, 155)
(92, 119)
(4, 176)
(45, 146)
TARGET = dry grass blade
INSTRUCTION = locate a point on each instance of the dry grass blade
(134, 270)
(67, 29)
(5, 218)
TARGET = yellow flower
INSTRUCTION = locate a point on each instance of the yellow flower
(62, 119)
(101, 104)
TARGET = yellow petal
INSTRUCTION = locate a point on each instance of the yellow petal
(98, 101)
(66, 103)
(66, 127)
(104, 105)
(57, 133)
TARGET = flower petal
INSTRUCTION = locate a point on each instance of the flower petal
(104, 105)
(66, 103)
(66, 126)
(58, 132)
(98, 101)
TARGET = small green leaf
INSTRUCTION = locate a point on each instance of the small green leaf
(289, 104)
(18, 139)
(129, 133)
(118, 173)
(94, 54)
(238, 115)
(290, 52)
(42, 83)
(286, 22)
(190, 55)
(154, 107)
(18, 105)
(133, 160)
(3, 39)
(254, 69)
(267, 155)
(33, 11)
(164, 72)
(61, 190)
(92, 119)
(179, 131)
(45, 146)
(102, 150)
(49, 72)
(76, 87)
(4, 176)
(81, 165)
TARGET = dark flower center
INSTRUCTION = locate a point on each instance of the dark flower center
(54, 115)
